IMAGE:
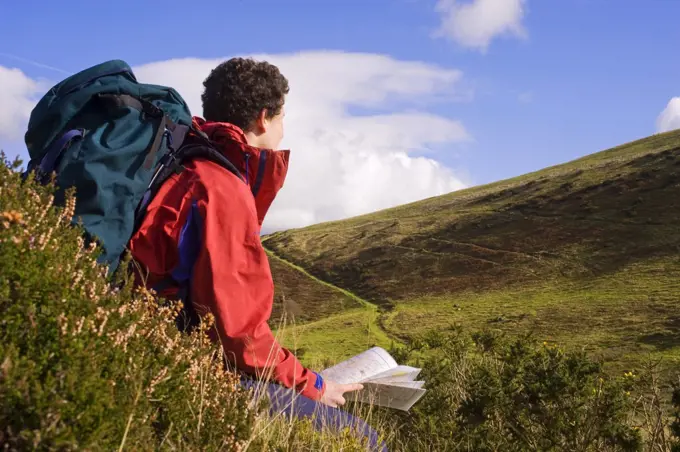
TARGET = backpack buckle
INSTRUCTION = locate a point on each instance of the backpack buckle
(171, 162)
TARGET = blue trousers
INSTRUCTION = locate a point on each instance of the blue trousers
(293, 404)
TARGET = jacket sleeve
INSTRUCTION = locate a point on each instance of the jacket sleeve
(232, 279)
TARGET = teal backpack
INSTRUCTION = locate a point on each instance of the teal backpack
(116, 141)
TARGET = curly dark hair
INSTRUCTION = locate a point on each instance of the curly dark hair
(237, 90)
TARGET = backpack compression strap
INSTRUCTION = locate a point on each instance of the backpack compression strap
(167, 127)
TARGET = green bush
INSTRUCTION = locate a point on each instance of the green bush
(487, 392)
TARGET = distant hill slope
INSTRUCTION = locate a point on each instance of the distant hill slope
(584, 252)
(308, 311)
(582, 219)
(300, 298)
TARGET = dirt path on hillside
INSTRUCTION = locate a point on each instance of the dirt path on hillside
(380, 318)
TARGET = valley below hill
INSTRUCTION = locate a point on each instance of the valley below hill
(583, 254)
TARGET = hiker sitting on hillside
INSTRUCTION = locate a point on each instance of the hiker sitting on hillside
(206, 221)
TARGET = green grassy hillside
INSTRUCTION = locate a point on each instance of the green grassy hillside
(584, 253)
(300, 298)
(310, 311)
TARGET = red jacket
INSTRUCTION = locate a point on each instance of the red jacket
(230, 275)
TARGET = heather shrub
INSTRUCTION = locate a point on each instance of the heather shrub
(90, 362)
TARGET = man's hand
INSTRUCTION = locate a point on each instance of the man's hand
(333, 395)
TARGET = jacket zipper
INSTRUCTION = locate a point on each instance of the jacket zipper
(260, 173)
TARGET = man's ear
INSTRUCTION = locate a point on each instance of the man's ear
(262, 121)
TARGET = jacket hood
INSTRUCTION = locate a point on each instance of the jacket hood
(264, 170)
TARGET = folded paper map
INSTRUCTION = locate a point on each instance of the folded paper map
(385, 382)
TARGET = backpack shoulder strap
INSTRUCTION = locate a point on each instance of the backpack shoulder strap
(197, 146)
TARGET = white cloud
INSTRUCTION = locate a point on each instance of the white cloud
(17, 98)
(669, 119)
(476, 23)
(343, 164)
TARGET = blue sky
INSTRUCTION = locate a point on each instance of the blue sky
(581, 76)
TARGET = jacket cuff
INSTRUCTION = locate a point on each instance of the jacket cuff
(314, 390)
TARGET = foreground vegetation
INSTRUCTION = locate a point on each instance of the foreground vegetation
(89, 363)
(489, 392)
(490, 388)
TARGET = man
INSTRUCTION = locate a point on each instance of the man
(206, 221)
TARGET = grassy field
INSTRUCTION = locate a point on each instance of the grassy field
(623, 318)
(325, 342)
(583, 253)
